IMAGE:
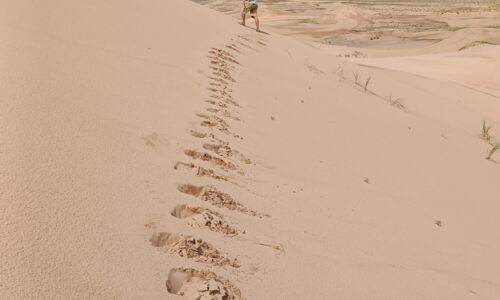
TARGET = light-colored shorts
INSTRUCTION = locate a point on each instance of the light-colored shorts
(250, 9)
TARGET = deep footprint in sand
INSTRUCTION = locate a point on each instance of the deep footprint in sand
(199, 171)
(204, 217)
(210, 136)
(222, 101)
(220, 54)
(221, 63)
(217, 198)
(222, 112)
(222, 97)
(222, 70)
(201, 285)
(224, 165)
(192, 248)
(197, 134)
(223, 75)
(219, 80)
(217, 103)
(224, 150)
(233, 47)
(214, 122)
(217, 123)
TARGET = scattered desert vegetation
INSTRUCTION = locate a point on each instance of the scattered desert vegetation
(485, 132)
(488, 138)
(396, 102)
(492, 151)
(367, 82)
(356, 77)
(364, 84)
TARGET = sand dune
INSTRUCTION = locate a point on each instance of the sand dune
(477, 67)
(393, 27)
(150, 155)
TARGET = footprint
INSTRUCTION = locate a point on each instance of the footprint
(213, 118)
(217, 53)
(225, 151)
(245, 45)
(192, 248)
(233, 47)
(150, 224)
(220, 62)
(216, 79)
(151, 140)
(210, 136)
(202, 285)
(261, 43)
(224, 76)
(223, 100)
(204, 217)
(223, 95)
(221, 69)
(222, 112)
(244, 37)
(217, 103)
(219, 126)
(199, 135)
(216, 84)
(199, 171)
(224, 165)
(213, 121)
(215, 197)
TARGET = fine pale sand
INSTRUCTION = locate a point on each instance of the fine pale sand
(159, 150)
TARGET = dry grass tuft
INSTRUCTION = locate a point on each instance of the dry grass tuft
(367, 82)
(492, 151)
(396, 102)
(487, 137)
(356, 77)
(485, 133)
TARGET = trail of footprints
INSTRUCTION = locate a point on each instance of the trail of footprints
(205, 284)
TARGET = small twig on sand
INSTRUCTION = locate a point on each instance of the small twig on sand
(279, 247)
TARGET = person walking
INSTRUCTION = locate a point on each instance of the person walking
(250, 7)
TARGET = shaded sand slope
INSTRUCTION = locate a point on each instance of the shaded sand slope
(128, 129)
(83, 85)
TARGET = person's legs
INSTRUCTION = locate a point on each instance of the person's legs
(256, 18)
(254, 15)
(243, 16)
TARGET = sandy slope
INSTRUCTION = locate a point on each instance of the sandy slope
(340, 194)
(478, 67)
